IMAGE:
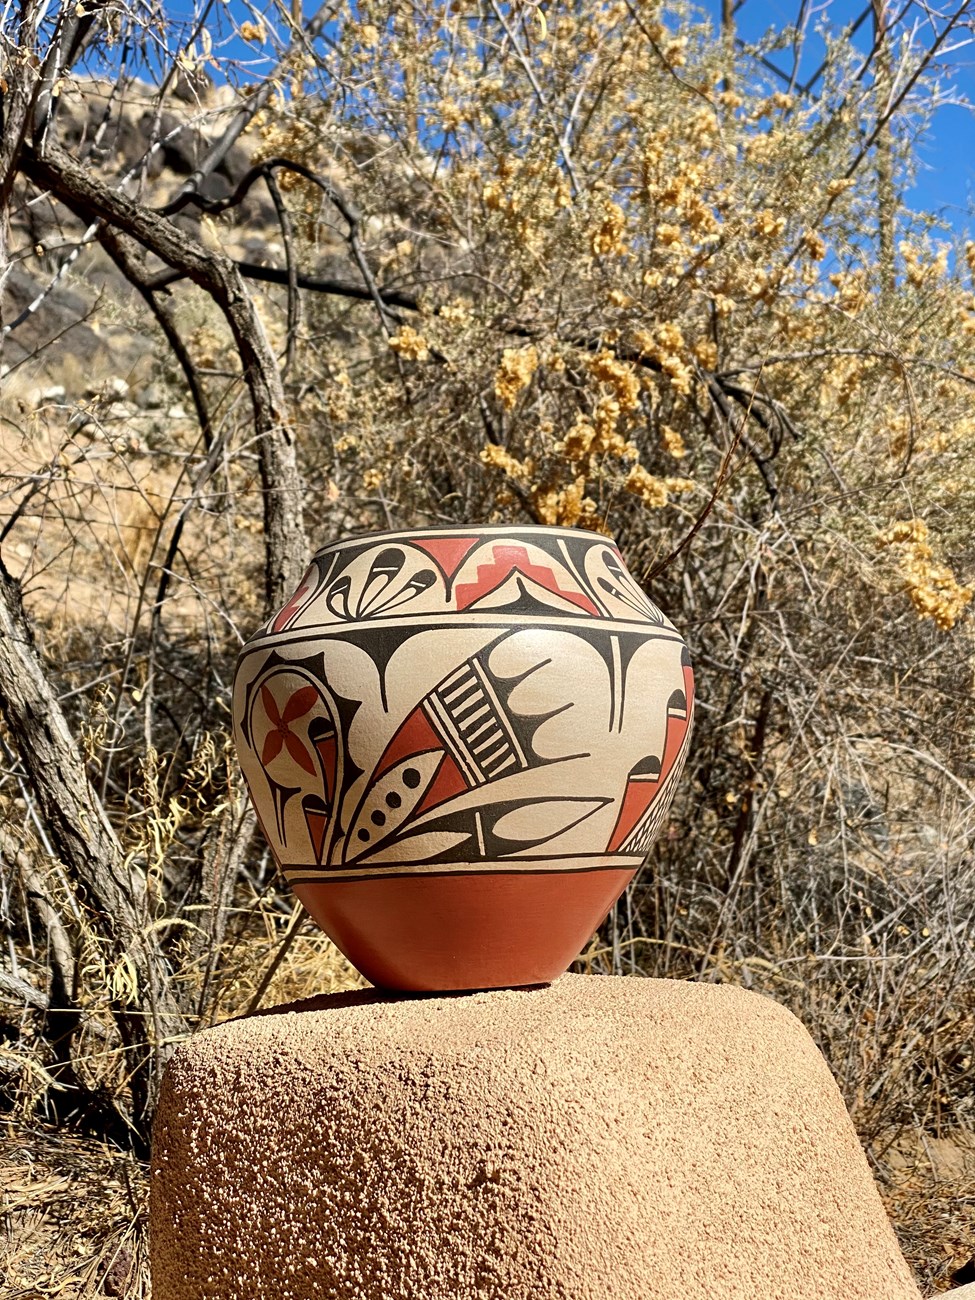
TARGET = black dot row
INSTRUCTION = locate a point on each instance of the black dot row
(411, 779)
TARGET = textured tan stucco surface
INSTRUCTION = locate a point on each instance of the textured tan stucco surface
(600, 1139)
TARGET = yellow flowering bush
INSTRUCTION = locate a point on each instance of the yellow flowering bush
(633, 289)
(933, 589)
(666, 268)
(650, 300)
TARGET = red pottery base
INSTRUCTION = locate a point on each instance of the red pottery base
(424, 933)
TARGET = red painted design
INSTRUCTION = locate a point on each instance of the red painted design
(317, 823)
(328, 752)
(293, 604)
(641, 791)
(447, 552)
(514, 559)
(415, 736)
(447, 782)
(281, 736)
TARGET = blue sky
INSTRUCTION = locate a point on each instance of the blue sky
(945, 153)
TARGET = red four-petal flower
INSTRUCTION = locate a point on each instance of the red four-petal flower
(281, 736)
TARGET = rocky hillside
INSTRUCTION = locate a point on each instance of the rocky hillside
(74, 327)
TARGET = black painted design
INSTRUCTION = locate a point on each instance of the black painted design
(649, 826)
(478, 833)
(545, 739)
(471, 718)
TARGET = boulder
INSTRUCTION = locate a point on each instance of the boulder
(597, 1139)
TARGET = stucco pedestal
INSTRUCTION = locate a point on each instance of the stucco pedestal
(599, 1139)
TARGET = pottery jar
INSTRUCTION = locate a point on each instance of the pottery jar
(461, 743)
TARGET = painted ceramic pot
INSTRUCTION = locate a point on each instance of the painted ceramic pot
(461, 744)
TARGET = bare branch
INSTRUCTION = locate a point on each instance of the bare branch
(249, 110)
(281, 482)
(112, 889)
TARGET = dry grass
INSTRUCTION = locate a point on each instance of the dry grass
(73, 1209)
(928, 1187)
(73, 1217)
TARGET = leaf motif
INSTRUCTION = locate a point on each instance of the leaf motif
(270, 705)
(300, 755)
(290, 608)
(543, 819)
(300, 703)
(426, 846)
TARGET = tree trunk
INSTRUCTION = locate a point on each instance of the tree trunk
(111, 890)
(886, 198)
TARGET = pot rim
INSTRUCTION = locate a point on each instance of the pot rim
(463, 530)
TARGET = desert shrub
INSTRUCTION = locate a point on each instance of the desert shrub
(639, 278)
